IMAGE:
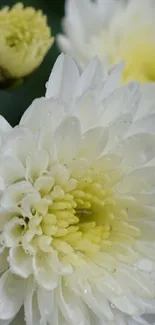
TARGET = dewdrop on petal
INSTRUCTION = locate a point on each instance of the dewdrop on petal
(77, 203)
(114, 31)
(25, 38)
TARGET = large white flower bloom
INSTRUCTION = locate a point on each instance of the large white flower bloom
(113, 30)
(77, 203)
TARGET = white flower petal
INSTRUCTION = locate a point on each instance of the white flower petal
(125, 305)
(113, 81)
(32, 314)
(148, 316)
(106, 261)
(71, 306)
(64, 43)
(78, 167)
(90, 78)
(6, 322)
(135, 280)
(146, 105)
(48, 307)
(20, 262)
(137, 150)
(19, 143)
(122, 100)
(141, 320)
(145, 124)
(108, 285)
(94, 142)
(30, 118)
(29, 202)
(4, 265)
(43, 273)
(63, 79)
(85, 13)
(44, 184)
(14, 194)
(120, 318)
(140, 179)
(72, 9)
(86, 112)
(13, 231)
(45, 303)
(147, 249)
(145, 264)
(12, 290)
(7, 214)
(5, 129)
(4, 125)
(57, 266)
(74, 32)
(118, 130)
(67, 139)
(97, 303)
(11, 170)
(108, 162)
(27, 242)
(106, 9)
(44, 115)
(36, 164)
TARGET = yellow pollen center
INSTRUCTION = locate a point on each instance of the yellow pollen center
(80, 215)
(77, 214)
(137, 50)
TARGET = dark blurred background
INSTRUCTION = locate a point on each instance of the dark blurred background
(14, 102)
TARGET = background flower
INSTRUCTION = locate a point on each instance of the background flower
(77, 202)
(15, 101)
(114, 31)
(25, 39)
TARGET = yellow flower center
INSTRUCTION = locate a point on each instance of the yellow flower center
(79, 220)
(137, 50)
(83, 215)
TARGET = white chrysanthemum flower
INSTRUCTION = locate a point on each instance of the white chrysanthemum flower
(113, 30)
(77, 203)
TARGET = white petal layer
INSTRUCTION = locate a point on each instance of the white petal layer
(12, 295)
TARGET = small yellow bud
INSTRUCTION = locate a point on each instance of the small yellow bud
(25, 38)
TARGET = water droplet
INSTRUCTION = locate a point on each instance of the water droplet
(113, 306)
